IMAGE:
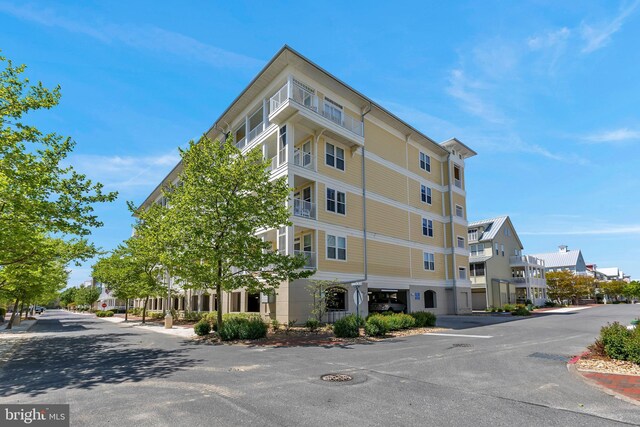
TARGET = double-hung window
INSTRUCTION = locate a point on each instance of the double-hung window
(336, 247)
(459, 211)
(427, 227)
(429, 261)
(336, 201)
(425, 162)
(425, 194)
(461, 242)
(334, 156)
(333, 111)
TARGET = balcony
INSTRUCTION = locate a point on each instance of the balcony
(302, 159)
(293, 98)
(304, 209)
(522, 260)
(309, 256)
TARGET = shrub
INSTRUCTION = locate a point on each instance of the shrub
(212, 318)
(156, 315)
(521, 311)
(109, 313)
(312, 324)
(275, 325)
(104, 313)
(289, 325)
(3, 313)
(203, 327)
(192, 316)
(243, 327)
(399, 321)
(424, 319)
(347, 327)
(375, 326)
(509, 307)
(614, 338)
(632, 346)
(549, 303)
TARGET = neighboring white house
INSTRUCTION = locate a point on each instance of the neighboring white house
(564, 259)
(499, 272)
(614, 273)
(107, 298)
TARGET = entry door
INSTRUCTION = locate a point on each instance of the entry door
(306, 243)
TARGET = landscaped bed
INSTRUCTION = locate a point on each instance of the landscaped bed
(616, 351)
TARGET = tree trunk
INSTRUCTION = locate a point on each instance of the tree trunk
(219, 297)
(21, 309)
(126, 310)
(13, 314)
(144, 310)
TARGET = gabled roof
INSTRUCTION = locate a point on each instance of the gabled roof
(560, 259)
(611, 271)
(492, 227)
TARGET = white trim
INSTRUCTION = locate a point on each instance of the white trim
(434, 261)
(326, 247)
(336, 201)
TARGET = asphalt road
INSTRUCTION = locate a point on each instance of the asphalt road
(508, 373)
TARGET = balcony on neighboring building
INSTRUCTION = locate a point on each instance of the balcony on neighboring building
(525, 260)
(322, 113)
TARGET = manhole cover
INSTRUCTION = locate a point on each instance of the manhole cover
(547, 356)
(336, 378)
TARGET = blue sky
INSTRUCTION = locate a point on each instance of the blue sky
(546, 92)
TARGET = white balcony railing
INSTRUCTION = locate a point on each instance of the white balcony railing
(309, 256)
(256, 131)
(526, 259)
(304, 209)
(242, 143)
(310, 101)
(274, 164)
(303, 159)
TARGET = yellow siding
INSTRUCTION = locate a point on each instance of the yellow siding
(415, 199)
(459, 200)
(354, 262)
(417, 266)
(353, 217)
(387, 220)
(386, 259)
(352, 173)
(414, 164)
(417, 236)
(383, 144)
(386, 182)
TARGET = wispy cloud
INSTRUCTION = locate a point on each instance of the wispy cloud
(614, 136)
(549, 39)
(602, 231)
(146, 38)
(599, 36)
(123, 173)
(467, 91)
(432, 126)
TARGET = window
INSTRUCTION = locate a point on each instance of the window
(283, 136)
(333, 111)
(507, 231)
(459, 211)
(334, 156)
(457, 173)
(429, 261)
(497, 249)
(462, 273)
(235, 301)
(502, 249)
(477, 249)
(241, 132)
(427, 227)
(425, 194)
(429, 299)
(336, 299)
(336, 201)
(461, 242)
(425, 162)
(336, 247)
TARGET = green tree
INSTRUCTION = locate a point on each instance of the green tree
(632, 290)
(39, 196)
(613, 289)
(560, 285)
(68, 296)
(223, 199)
(87, 295)
(318, 291)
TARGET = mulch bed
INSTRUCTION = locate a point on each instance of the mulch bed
(302, 337)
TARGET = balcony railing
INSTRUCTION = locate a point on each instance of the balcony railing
(304, 209)
(302, 159)
(526, 259)
(274, 164)
(309, 256)
(256, 131)
(310, 101)
(242, 143)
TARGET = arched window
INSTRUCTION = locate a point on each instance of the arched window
(429, 299)
(336, 298)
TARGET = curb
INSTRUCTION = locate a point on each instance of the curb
(571, 367)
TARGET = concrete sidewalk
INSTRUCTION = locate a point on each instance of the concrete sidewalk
(11, 338)
(180, 331)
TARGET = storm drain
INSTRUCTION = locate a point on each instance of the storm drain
(548, 356)
(461, 345)
(336, 378)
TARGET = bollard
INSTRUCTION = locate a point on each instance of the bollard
(168, 321)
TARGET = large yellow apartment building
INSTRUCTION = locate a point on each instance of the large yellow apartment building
(375, 201)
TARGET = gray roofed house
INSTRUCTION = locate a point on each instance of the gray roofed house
(564, 259)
